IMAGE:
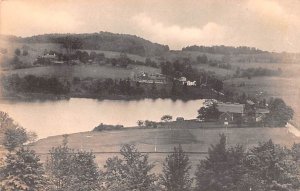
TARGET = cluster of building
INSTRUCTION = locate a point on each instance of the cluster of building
(50, 59)
(184, 81)
(233, 113)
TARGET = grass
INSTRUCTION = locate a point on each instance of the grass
(163, 140)
(83, 71)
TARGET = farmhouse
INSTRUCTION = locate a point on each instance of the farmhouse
(260, 114)
(230, 112)
(191, 83)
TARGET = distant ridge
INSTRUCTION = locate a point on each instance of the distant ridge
(224, 49)
(105, 41)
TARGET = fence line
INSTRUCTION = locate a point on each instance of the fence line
(142, 152)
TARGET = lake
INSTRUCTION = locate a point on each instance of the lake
(50, 118)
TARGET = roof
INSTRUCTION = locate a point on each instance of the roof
(262, 111)
(250, 102)
(226, 114)
(230, 107)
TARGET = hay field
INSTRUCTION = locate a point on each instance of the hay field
(82, 71)
(163, 140)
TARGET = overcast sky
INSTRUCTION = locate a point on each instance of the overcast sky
(272, 25)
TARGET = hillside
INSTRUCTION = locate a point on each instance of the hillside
(104, 41)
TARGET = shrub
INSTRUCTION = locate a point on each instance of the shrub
(103, 127)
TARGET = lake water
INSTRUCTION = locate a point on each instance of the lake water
(79, 114)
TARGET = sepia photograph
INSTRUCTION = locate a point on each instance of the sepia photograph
(149, 95)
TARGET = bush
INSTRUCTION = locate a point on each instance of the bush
(150, 124)
(15, 137)
(103, 127)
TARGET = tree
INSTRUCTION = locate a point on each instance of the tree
(23, 171)
(209, 112)
(222, 170)
(140, 123)
(70, 44)
(14, 137)
(32, 136)
(17, 52)
(176, 169)
(85, 173)
(58, 165)
(132, 172)
(279, 114)
(202, 59)
(70, 170)
(274, 166)
(166, 118)
(25, 52)
(5, 121)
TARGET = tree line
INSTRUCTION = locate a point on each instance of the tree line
(99, 88)
(177, 69)
(224, 49)
(265, 167)
(35, 84)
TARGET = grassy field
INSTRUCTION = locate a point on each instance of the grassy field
(163, 140)
(82, 71)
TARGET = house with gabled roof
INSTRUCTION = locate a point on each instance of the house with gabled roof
(230, 112)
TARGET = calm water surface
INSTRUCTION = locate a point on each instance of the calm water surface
(80, 114)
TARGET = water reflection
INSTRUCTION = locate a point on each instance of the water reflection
(80, 114)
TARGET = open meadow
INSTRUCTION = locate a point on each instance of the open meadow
(159, 142)
(82, 71)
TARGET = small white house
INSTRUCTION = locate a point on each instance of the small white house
(189, 83)
(182, 79)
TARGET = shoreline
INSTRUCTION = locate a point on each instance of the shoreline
(53, 97)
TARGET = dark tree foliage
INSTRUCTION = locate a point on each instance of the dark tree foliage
(132, 172)
(222, 169)
(72, 171)
(85, 173)
(70, 43)
(274, 166)
(104, 41)
(279, 114)
(18, 52)
(179, 69)
(58, 166)
(176, 171)
(224, 49)
(202, 59)
(116, 87)
(103, 127)
(35, 84)
(82, 56)
(266, 167)
(208, 113)
(14, 136)
(25, 53)
(23, 171)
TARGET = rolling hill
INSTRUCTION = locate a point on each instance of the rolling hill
(104, 41)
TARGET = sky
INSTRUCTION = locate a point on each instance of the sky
(272, 25)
